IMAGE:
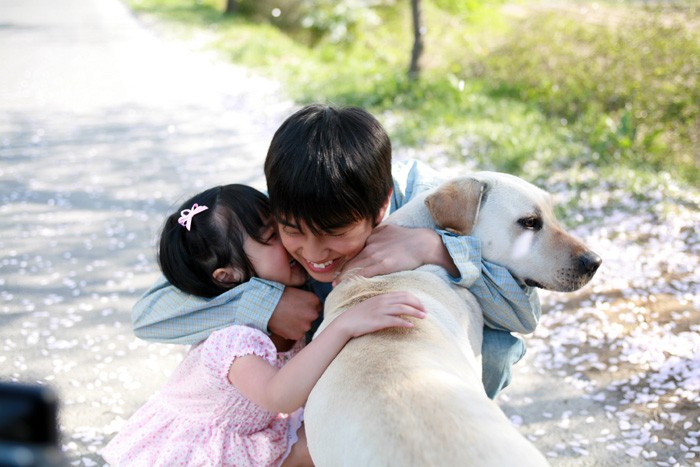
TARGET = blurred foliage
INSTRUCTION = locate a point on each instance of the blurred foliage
(312, 21)
(519, 87)
(628, 84)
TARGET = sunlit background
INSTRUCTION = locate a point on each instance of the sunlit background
(112, 113)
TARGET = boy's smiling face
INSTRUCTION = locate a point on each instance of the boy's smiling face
(323, 255)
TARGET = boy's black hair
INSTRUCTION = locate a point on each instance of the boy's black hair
(328, 167)
(215, 239)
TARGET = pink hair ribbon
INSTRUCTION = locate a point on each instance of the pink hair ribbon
(186, 215)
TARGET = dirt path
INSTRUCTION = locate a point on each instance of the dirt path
(103, 127)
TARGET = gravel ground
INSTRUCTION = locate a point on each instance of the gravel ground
(627, 345)
(105, 126)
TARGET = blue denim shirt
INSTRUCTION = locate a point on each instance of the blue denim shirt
(166, 314)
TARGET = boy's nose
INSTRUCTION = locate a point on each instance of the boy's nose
(315, 251)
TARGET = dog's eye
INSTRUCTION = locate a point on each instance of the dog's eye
(530, 223)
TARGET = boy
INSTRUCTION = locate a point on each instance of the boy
(329, 178)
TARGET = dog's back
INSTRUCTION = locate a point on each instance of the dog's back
(411, 396)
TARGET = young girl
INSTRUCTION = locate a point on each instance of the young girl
(235, 399)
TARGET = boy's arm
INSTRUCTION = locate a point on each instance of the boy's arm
(166, 314)
(506, 304)
(392, 248)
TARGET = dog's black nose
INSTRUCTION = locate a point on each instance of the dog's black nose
(589, 262)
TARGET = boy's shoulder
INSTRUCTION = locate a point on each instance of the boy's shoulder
(411, 177)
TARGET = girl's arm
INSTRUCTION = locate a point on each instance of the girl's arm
(285, 390)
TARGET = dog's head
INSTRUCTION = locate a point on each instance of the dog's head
(518, 230)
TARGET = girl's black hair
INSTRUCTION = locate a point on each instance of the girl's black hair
(215, 239)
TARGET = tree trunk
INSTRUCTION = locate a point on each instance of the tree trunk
(231, 7)
(414, 68)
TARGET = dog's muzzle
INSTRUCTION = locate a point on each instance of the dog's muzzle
(581, 270)
(589, 262)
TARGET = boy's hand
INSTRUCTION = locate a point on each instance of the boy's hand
(380, 312)
(294, 313)
(391, 248)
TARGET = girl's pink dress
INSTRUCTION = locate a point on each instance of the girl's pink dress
(200, 419)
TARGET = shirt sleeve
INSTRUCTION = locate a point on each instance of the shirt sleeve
(166, 314)
(410, 178)
(225, 345)
(506, 304)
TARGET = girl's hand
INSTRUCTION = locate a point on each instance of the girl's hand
(380, 312)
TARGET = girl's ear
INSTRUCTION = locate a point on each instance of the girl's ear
(228, 276)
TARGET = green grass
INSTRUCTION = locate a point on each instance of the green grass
(630, 92)
(526, 89)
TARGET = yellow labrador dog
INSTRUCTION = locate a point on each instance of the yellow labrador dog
(414, 396)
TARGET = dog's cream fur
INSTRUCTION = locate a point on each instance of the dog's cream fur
(414, 396)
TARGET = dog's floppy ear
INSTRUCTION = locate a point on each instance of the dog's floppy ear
(454, 206)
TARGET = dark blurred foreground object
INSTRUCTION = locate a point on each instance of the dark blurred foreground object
(29, 435)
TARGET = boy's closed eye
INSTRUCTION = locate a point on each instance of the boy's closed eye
(294, 231)
(291, 231)
(336, 232)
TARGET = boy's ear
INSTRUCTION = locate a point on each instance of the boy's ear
(384, 209)
(228, 276)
